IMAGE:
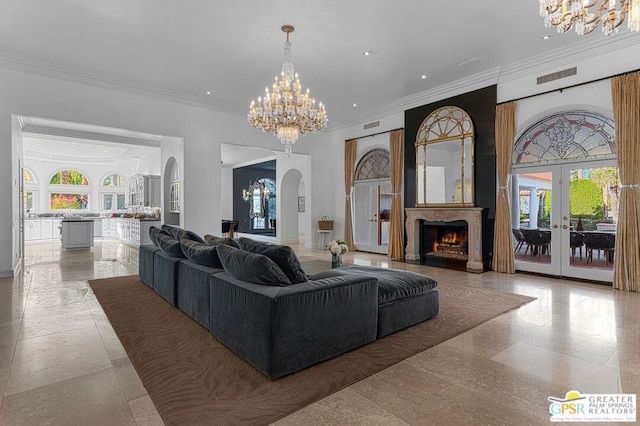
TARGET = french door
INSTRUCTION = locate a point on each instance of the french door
(567, 215)
(372, 211)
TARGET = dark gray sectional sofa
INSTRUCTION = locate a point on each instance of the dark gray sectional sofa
(277, 326)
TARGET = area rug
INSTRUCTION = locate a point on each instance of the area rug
(193, 379)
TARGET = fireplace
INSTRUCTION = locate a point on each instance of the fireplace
(444, 244)
(442, 223)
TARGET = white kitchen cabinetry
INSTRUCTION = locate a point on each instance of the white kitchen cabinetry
(144, 191)
(77, 234)
(135, 231)
(109, 228)
(32, 229)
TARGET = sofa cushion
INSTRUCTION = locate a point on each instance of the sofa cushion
(183, 234)
(214, 241)
(171, 228)
(393, 284)
(251, 267)
(169, 245)
(283, 256)
(153, 234)
(201, 253)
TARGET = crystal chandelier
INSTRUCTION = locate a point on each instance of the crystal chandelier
(287, 112)
(584, 15)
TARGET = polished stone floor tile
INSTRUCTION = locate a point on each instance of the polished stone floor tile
(91, 399)
(346, 407)
(129, 381)
(145, 413)
(48, 359)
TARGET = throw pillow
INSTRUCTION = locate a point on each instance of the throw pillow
(154, 231)
(183, 234)
(201, 253)
(214, 241)
(251, 267)
(283, 256)
(169, 245)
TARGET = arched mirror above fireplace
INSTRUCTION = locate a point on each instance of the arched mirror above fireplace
(444, 159)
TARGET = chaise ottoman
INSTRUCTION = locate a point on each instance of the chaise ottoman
(404, 298)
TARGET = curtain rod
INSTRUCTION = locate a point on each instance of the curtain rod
(375, 134)
(568, 87)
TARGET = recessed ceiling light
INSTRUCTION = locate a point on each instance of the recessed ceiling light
(546, 37)
(367, 52)
(424, 76)
(208, 92)
(355, 105)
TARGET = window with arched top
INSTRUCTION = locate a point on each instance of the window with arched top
(112, 196)
(444, 158)
(69, 177)
(564, 137)
(28, 177)
(375, 164)
(113, 179)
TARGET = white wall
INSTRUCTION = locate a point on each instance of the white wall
(226, 196)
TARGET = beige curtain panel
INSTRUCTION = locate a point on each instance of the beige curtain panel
(349, 169)
(625, 92)
(503, 259)
(396, 232)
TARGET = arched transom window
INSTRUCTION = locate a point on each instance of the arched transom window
(375, 164)
(113, 179)
(566, 136)
(69, 177)
(28, 177)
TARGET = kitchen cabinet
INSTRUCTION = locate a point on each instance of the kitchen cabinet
(109, 228)
(144, 191)
(32, 229)
(46, 229)
(77, 234)
(135, 231)
(97, 227)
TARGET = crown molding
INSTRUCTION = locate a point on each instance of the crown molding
(75, 76)
(560, 57)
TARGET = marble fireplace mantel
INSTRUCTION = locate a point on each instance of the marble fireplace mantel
(471, 215)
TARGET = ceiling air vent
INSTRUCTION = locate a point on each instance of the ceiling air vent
(372, 124)
(557, 75)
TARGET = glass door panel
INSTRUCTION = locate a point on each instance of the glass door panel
(592, 209)
(536, 229)
(372, 213)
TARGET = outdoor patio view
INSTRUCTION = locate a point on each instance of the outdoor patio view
(593, 207)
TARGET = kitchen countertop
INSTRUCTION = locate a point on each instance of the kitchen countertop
(78, 220)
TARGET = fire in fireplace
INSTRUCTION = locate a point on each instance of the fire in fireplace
(451, 244)
(445, 244)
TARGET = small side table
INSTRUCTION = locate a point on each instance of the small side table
(322, 245)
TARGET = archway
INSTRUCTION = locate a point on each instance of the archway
(172, 191)
(288, 207)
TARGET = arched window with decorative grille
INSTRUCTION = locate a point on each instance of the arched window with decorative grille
(566, 137)
(375, 164)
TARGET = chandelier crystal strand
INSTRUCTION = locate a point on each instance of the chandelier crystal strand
(585, 15)
(287, 111)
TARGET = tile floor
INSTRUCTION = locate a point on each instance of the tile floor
(61, 363)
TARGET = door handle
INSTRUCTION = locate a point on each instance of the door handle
(554, 226)
(564, 226)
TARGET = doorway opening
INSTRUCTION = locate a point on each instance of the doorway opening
(565, 191)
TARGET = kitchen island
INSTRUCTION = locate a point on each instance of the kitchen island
(76, 233)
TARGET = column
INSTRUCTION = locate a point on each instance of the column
(534, 205)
